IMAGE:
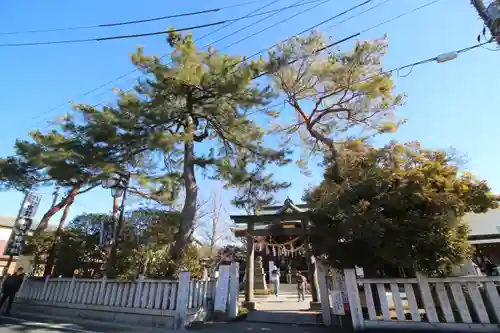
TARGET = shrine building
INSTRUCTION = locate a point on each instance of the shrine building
(277, 237)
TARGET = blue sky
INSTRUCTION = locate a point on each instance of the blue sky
(448, 104)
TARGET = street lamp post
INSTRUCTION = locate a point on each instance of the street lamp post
(118, 187)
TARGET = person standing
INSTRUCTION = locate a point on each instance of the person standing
(10, 287)
(275, 279)
(301, 286)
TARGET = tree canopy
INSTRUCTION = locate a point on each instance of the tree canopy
(144, 246)
(336, 96)
(206, 113)
(189, 116)
(401, 206)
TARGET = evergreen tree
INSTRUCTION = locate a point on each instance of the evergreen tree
(400, 207)
(188, 116)
(337, 96)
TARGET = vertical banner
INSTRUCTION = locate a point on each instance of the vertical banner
(339, 284)
(222, 288)
(23, 223)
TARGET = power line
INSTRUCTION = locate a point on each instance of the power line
(204, 36)
(152, 19)
(101, 39)
(88, 92)
(258, 32)
(323, 22)
(314, 26)
(275, 24)
(108, 38)
(412, 65)
(441, 58)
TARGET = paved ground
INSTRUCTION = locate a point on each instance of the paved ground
(254, 327)
(282, 314)
(285, 309)
(30, 324)
(21, 326)
(16, 325)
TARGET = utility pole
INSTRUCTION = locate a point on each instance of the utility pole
(490, 16)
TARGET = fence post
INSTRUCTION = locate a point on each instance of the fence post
(324, 297)
(181, 306)
(221, 292)
(138, 291)
(71, 290)
(102, 290)
(20, 293)
(45, 286)
(234, 288)
(358, 322)
(425, 292)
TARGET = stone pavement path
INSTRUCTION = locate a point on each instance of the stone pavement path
(285, 309)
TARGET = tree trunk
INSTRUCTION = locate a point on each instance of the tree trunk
(44, 222)
(118, 212)
(49, 265)
(188, 211)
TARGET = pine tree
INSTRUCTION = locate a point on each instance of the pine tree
(337, 97)
(191, 116)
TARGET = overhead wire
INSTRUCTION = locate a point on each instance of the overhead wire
(400, 68)
(412, 65)
(320, 50)
(359, 33)
(88, 92)
(204, 36)
(163, 32)
(114, 24)
(275, 24)
(286, 19)
(107, 38)
(319, 24)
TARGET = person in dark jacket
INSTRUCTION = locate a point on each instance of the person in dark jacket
(10, 287)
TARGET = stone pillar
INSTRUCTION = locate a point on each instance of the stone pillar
(313, 275)
(249, 299)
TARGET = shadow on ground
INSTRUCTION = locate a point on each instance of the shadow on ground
(249, 327)
(285, 316)
(25, 324)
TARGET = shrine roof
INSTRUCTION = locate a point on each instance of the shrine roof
(288, 212)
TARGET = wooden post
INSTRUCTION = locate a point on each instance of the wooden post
(249, 295)
(181, 306)
(425, 292)
(358, 321)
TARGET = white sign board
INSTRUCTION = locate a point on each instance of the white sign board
(337, 303)
(222, 290)
(339, 283)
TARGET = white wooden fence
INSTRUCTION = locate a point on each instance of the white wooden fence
(167, 298)
(456, 303)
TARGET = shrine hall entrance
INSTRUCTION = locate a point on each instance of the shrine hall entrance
(277, 239)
